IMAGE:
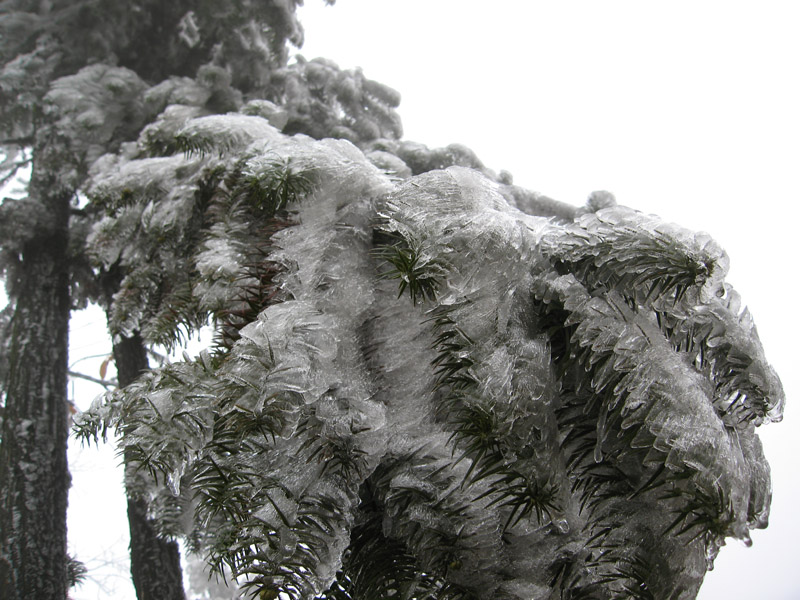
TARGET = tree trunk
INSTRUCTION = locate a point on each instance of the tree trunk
(34, 479)
(155, 562)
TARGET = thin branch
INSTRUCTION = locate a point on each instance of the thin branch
(91, 356)
(12, 170)
(21, 141)
(106, 383)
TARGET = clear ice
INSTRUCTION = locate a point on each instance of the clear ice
(569, 403)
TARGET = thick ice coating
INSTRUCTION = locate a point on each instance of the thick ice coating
(411, 371)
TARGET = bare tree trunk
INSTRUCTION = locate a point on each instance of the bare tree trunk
(155, 562)
(34, 479)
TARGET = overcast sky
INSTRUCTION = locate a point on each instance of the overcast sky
(685, 109)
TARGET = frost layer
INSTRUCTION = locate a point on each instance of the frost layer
(412, 373)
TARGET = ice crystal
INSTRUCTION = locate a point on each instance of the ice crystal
(567, 400)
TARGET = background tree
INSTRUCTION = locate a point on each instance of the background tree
(61, 121)
(232, 52)
(34, 436)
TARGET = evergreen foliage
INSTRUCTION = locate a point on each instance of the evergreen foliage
(564, 406)
(559, 408)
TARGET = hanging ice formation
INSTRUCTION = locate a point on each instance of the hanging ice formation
(422, 370)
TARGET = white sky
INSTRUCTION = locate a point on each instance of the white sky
(690, 110)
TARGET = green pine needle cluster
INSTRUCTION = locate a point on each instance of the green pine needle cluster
(273, 189)
(403, 260)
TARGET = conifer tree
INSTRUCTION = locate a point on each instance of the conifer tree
(426, 382)
(59, 114)
(33, 468)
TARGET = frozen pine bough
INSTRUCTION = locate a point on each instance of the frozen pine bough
(429, 385)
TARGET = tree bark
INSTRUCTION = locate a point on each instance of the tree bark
(34, 479)
(155, 562)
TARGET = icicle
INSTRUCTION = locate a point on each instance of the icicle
(601, 434)
(174, 479)
(712, 550)
(562, 525)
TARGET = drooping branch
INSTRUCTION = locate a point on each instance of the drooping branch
(529, 405)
